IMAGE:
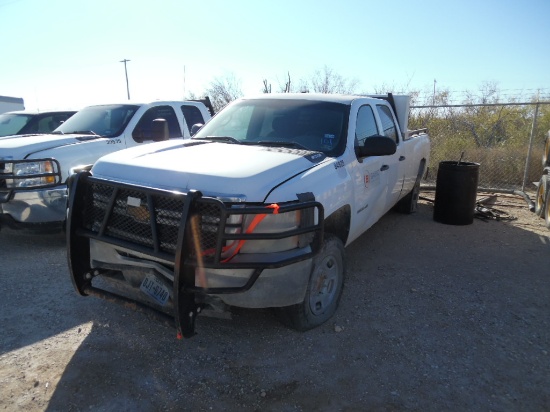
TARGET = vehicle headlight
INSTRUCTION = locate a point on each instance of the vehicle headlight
(40, 173)
(271, 223)
(254, 232)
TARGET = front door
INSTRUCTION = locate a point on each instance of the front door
(370, 179)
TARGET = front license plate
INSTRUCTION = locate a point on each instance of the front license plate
(155, 289)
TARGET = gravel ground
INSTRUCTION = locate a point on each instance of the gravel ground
(433, 317)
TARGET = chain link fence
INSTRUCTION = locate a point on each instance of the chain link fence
(506, 139)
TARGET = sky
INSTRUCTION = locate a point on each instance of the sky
(62, 54)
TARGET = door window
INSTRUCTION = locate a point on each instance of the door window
(366, 125)
(144, 129)
(388, 124)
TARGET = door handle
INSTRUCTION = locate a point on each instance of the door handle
(384, 167)
(401, 158)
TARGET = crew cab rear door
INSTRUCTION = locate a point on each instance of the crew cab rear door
(397, 162)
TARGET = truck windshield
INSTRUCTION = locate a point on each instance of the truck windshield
(12, 123)
(302, 124)
(105, 120)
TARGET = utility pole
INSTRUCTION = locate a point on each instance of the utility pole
(126, 72)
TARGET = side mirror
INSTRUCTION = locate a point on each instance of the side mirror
(159, 130)
(376, 146)
(195, 128)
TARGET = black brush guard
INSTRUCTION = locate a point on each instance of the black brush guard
(186, 229)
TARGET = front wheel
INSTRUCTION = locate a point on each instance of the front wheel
(324, 289)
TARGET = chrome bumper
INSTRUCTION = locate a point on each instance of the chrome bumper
(37, 206)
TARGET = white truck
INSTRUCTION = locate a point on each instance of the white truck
(34, 169)
(254, 211)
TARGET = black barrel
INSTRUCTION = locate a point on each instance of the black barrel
(455, 192)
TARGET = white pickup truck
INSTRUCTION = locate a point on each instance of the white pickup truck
(34, 169)
(254, 211)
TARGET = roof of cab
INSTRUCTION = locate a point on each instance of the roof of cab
(335, 98)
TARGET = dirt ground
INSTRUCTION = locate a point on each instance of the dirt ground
(433, 317)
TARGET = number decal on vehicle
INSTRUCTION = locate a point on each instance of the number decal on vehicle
(114, 141)
(339, 164)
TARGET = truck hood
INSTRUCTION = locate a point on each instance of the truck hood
(215, 169)
(19, 147)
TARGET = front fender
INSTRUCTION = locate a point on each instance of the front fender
(329, 182)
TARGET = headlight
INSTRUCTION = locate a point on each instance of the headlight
(271, 223)
(35, 172)
(254, 232)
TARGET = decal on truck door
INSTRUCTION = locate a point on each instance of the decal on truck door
(372, 179)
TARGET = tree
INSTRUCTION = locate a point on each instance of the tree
(325, 80)
(223, 90)
(328, 81)
(282, 89)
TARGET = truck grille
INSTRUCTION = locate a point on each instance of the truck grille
(151, 220)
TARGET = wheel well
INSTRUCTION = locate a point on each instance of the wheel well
(338, 223)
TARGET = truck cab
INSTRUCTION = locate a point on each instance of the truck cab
(34, 169)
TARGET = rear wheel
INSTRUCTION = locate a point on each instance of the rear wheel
(541, 196)
(409, 204)
(324, 289)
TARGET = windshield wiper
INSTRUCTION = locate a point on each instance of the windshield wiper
(85, 132)
(281, 143)
(58, 132)
(227, 139)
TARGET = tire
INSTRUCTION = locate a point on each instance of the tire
(541, 196)
(546, 213)
(409, 204)
(546, 153)
(324, 289)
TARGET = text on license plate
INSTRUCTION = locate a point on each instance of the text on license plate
(155, 289)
